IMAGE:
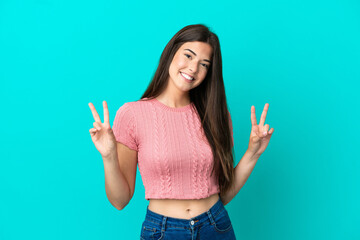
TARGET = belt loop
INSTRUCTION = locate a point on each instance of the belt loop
(163, 224)
(210, 217)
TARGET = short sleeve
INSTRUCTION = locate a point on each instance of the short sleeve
(124, 127)
(231, 129)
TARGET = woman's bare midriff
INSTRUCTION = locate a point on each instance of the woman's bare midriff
(185, 209)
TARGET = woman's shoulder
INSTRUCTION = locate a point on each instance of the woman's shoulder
(132, 110)
(136, 105)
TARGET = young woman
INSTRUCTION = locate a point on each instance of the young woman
(180, 134)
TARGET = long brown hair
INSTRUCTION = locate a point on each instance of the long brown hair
(209, 99)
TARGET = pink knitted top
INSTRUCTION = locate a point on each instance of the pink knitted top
(174, 157)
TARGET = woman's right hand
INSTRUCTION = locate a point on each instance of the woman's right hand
(102, 135)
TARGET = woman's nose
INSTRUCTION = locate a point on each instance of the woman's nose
(193, 67)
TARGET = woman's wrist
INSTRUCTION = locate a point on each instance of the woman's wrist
(111, 157)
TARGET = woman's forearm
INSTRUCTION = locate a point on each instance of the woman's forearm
(116, 186)
(242, 172)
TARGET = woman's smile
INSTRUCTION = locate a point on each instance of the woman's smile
(187, 78)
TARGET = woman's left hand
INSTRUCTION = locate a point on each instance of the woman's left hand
(260, 134)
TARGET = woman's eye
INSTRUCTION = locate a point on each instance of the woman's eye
(205, 65)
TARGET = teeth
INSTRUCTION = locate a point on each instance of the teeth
(186, 76)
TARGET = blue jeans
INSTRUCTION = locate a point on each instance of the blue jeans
(212, 224)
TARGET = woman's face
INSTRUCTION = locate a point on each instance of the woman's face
(191, 60)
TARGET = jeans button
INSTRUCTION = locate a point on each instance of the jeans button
(192, 222)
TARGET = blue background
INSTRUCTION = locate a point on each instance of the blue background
(301, 57)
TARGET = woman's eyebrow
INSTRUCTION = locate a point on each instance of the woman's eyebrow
(195, 55)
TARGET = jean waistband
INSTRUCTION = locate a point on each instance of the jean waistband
(197, 220)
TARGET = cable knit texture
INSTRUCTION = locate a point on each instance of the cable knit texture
(174, 157)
